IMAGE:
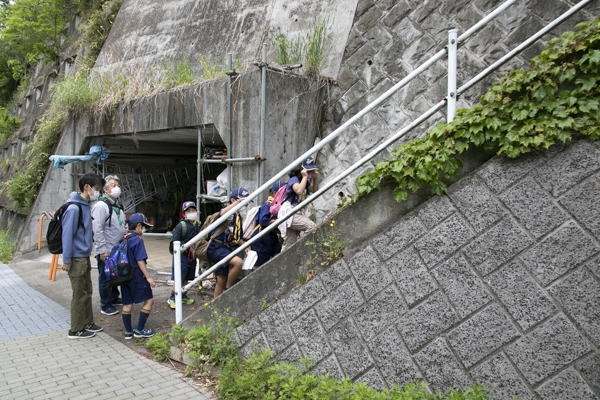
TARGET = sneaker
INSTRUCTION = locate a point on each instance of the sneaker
(92, 328)
(117, 302)
(144, 333)
(187, 300)
(128, 335)
(171, 303)
(80, 335)
(109, 310)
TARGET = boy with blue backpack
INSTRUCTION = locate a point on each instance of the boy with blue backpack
(185, 230)
(139, 288)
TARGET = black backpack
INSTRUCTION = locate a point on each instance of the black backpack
(110, 209)
(54, 232)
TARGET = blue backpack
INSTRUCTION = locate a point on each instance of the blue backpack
(117, 266)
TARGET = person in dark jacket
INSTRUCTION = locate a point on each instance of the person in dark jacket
(77, 244)
(269, 245)
(185, 230)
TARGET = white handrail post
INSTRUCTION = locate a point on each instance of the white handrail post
(177, 283)
(452, 50)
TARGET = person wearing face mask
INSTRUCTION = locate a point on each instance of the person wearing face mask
(109, 227)
(303, 179)
(139, 288)
(185, 230)
(77, 247)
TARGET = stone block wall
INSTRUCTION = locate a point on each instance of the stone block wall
(497, 282)
(390, 39)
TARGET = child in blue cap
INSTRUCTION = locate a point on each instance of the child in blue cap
(269, 245)
(303, 179)
(185, 230)
(222, 245)
(139, 288)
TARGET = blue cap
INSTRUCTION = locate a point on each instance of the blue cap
(277, 185)
(239, 193)
(309, 164)
(139, 218)
(187, 204)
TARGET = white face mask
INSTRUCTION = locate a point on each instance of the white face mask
(115, 192)
(95, 196)
(191, 216)
(143, 230)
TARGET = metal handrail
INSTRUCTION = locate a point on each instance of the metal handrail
(370, 155)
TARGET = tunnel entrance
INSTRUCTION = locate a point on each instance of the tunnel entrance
(158, 171)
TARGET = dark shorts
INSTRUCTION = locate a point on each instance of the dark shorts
(137, 290)
(216, 252)
(188, 269)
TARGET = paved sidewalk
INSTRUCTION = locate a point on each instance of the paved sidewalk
(38, 361)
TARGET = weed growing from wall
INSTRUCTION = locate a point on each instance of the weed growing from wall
(527, 110)
(326, 245)
(8, 124)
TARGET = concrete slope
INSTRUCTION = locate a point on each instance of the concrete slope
(497, 282)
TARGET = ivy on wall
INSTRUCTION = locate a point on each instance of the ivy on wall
(527, 110)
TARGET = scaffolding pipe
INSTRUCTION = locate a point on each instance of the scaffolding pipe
(229, 149)
(452, 50)
(230, 160)
(199, 172)
(263, 110)
(177, 283)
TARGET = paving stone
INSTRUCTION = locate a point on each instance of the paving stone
(426, 321)
(582, 202)
(329, 366)
(441, 368)
(334, 275)
(590, 370)
(303, 298)
(568, 167)
(381, 311)
(369, 272)
(533, 207)
(579, 295)
(547, 349)
(276, 328)
(482, 334)
(311, 337)
(559, 253)
(524, 299)
(567, 385)
(501, 172)
(349, 349)
(393, 359)
(401, 235)
(463, 288)
(339, 304)
(435, 210)
(411, 275)
(444, 240)
(496, 246)
(476, 203)
(373, 379)
(498, 374)
(248, 330)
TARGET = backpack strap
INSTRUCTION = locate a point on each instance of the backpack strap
(80, 222)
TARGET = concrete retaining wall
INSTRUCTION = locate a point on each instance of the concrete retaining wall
(497, 282)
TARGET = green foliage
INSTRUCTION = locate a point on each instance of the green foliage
(178, 73)
(159, 344)
(527, 110)
(101, 15)
(211, 70)
(326, 244)
(7, 247)
(259, 377)
(309, 47)
(8, 124)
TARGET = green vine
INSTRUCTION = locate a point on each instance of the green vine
(527, 110)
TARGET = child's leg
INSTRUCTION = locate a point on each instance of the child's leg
(126, 315)
(221, 280)
(145, 313)
(236, 266)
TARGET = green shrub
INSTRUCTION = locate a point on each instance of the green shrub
(528, 110)
(8, 124)
(7, 247)
(159, 344)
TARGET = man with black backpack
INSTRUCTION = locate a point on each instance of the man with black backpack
(76, 250)
(109, 227)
